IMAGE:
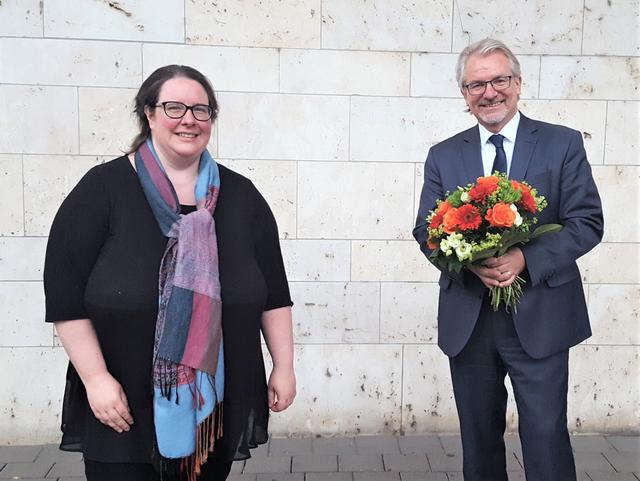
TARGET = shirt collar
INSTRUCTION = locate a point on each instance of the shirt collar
(509, 131)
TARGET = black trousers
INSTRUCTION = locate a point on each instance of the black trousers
(540, 389)
(212, 470)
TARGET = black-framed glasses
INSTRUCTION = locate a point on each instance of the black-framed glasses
(498, 83)
(177, 110)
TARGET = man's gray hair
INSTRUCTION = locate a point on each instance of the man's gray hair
(485, 47)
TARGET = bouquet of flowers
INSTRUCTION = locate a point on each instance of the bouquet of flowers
(484, 220)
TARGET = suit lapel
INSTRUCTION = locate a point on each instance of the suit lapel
(523, 150)
(471, 154)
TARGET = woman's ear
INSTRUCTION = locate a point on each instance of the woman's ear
(149, 113)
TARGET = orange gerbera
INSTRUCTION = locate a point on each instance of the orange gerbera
(450, 220)
(527, 201)
(436, 220)
(484, 186)
(468, 217)
(501, 215)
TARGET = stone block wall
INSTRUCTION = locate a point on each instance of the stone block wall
(329, 106)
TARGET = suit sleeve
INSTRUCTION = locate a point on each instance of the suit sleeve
(580, 213)
(432, 190)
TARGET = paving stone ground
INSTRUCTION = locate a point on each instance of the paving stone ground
(361, 458)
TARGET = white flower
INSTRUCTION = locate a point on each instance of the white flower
(463, 251)
(464, 197)
(518, 221)
(445, 247)
(454, 240)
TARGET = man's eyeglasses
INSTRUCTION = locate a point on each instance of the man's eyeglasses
(498, 83)
(177, 110)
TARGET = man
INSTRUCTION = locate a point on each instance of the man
(531, 344)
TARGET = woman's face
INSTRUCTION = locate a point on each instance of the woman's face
(180, 140)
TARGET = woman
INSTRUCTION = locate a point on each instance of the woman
(162, 268)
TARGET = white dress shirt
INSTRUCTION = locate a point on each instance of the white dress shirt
(509, 132)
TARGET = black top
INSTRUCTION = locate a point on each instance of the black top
(102, 263)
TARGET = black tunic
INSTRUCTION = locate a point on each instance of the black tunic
(102, 263)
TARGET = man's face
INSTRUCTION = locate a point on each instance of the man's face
(493, 108)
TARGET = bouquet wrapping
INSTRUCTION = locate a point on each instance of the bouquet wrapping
(484, 220)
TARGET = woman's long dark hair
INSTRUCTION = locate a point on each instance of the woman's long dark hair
(150, 89)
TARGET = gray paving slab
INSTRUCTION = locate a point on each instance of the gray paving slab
(333, 446)
(405, 462)
(376, 476)
(19, 454)
(384, 444)
(420, 444)
(423, 476)
(625, 443)
(451, 443)
(592, 444)
(624, 462)
(242, 477)
(516, 476)
(37, 469)
(609, 476)
(289, 447)
(51, 453)
(66, 470)
(270, 464)
(329, 477)
(592, 462)
(262, 451)
(512, 476)
(33, 479)
(360, 462)
(445, 462)
(65, 464)
(281, 477)
(408, 458)
(512, 444)
(314, 463)
(513, 462)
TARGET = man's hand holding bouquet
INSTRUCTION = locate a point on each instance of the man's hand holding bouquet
(482, 221)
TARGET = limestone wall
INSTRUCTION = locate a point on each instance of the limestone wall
(329, 106)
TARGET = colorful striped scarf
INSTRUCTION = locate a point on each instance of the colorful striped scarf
(188, 361)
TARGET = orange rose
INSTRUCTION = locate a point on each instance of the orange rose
(484, 186)
(436, 220)
(450, 220)
(501, 215)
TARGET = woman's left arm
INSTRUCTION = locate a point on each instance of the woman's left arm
(278, 334)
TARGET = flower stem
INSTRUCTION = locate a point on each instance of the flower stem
(509, 296)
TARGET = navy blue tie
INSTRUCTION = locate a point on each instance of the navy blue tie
(500, 161)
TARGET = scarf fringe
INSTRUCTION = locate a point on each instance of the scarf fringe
(190, 467)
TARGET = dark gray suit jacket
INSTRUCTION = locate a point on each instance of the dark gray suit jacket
(552, 315)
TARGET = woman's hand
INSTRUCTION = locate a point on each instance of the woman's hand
(108, 401)
(106, 397)
(281, 389)
(278, 333)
